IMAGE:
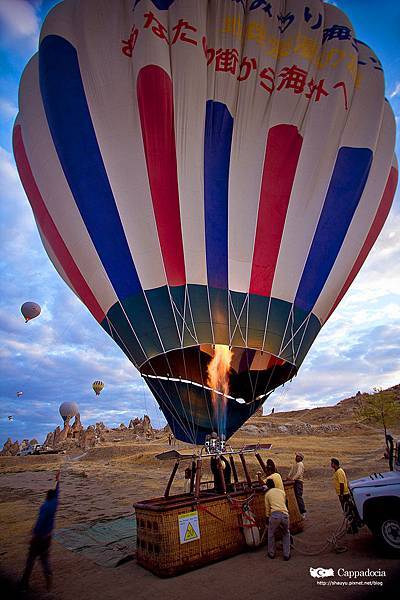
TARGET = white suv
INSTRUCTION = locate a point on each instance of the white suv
(30, 450)
(376, 504)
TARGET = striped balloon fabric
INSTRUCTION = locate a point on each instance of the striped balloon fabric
(202, 173)
(97, 386)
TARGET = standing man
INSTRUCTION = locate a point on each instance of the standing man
(296, 474)
(277, 516)
(41, 537)
(340, 482)
(187, 481)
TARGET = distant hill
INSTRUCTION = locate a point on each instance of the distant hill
(343, 411)
(326, 419)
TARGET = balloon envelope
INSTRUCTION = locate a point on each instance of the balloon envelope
(97, 387)
(30, 310)
(200, 177)
(68, 410)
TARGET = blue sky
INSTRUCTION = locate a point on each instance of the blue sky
(57, 356)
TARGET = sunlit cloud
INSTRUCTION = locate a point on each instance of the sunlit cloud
(19, 23)
(396, 91)
(7, 109)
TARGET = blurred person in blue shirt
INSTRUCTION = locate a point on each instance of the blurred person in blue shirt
(41, 537)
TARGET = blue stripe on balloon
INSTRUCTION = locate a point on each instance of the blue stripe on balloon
(346, 186)
(75, 141)
(217, 152)
(160, 4)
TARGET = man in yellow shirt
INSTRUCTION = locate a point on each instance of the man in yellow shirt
(271, 473)
(277, 516)
(340, 482)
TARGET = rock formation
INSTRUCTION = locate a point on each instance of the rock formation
(298, 428)
(49, 441)
(87, 438)
(100, 427)
(77, 427)
(24, 444)
(10, 448)
(142, 427)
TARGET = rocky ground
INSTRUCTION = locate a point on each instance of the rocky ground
(104, 481)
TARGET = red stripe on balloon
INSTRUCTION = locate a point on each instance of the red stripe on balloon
(155, 100)
(280, 163)
(376, 227)
(275, 361)
(49, 229)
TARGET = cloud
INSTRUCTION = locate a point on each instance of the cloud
(58, 360)
(396, 91)
(8, 170)
(19, 18)
(19, 26)
(7, 109)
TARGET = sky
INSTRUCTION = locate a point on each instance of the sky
(57, 356)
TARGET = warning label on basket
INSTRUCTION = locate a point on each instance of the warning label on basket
(189, 529)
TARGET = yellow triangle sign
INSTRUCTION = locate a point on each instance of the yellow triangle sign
(190, 533)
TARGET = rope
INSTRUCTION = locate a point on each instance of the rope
(332, 540)
(241, 503)
(239, 508)
(204, 509)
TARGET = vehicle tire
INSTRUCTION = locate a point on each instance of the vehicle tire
(387, 530)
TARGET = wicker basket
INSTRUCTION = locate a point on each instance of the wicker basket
(159, 547)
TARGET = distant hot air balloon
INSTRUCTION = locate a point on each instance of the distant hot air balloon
(209, 197)
(10, 418)
(68, 410)
(19, 394)
(30, 310)
(97, 387)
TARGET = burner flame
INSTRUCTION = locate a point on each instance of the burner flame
(218, 380)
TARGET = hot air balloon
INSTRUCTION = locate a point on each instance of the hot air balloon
(68, 410)
(97, 387)
(19, 394)
(208, 179)
(30, 310)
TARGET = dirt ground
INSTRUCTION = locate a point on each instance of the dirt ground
(105, 482)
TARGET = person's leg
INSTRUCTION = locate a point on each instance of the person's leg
(273, 524)
(285, 536)
(343, 500)
(30, 561)
(298, 490)
(346, 504)
(45, 560)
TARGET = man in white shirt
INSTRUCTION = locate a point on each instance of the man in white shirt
(296, 474)
(187, 480)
